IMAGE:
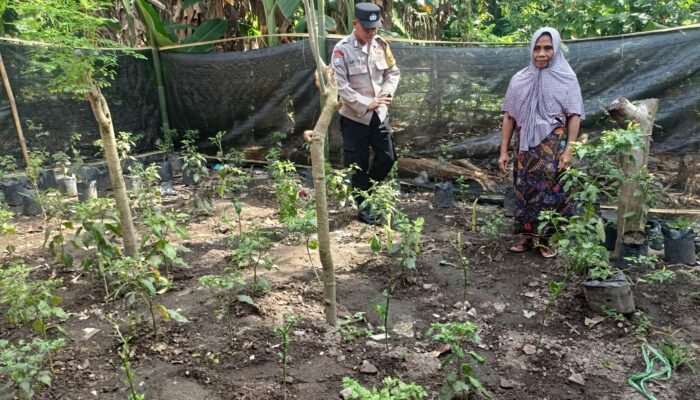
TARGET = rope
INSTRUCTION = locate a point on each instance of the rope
(637, 380)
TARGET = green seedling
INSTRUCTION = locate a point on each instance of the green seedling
(304, 226)
(661, 276)
(679, 355)
(124, 355)
(350, 332)
(463, 263)
(643, 261)
(283, 332)
(681, 224)
(494, 224)
(392, 389)
(156, 245)
(287, 189)
(613, 314)
(462, 380)
(643, 326)
(224, 288)
(28, 364)
(463, 187)
(252, 252)
(382, 310)
(339, 185)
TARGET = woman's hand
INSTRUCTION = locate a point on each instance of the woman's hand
(503, 161)
(565, 159)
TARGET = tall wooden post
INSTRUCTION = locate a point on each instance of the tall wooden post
(15, 114)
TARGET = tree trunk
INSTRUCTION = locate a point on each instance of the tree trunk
(316, 138)
(104, 120)
(449, 171)
(630, 204)
(15, 114)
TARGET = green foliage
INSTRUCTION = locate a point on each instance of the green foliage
(124, 355)
(30, 300)
(462, 379)
(287, 189)
(613, 314)
(27, 364)
(156, 246)
(8, 164)
(224, 288)
(407, 245)
(148, 198)
(275, 153)
(350, 332)
(392, 389)
(382, 310)
(6, 226)
(194, 162)
(283, 333)
(661, 276)
(494, 225)
(134, 277)
(74, 31)
(678, 354)
(252, 252)
(681, 224)
(339, 184)
(644, 325)
(464, 263)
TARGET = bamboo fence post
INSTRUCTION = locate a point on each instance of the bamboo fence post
(15, 114)
(162, 100)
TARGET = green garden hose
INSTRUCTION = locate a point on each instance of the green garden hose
(637, 380)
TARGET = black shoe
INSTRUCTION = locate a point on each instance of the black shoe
(369, 218)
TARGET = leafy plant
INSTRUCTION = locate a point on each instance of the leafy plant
(124, 355)
(8, 164)
(27, 364)
(494, 224)
(339, 185)
(148, 198)
(350, 332)
(194, 162)
(444, 157)
(156, 246)
(643, 326)
(287, 188)
(681, 224)
(463, 187)
(224, 288)
(275, 153)
(664, 275)
(136, 278)
(382, 310)
(283, 332)
(37, 158)
(392, 389)
(6, 227)
(252, 252)
(305, 226)
(463, 263)
(407, 245)
(644, 261)
(613, 314)
(462, 379)
(678, 354)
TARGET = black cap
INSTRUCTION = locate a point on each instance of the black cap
(369, 15)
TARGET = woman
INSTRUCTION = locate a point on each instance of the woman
(544, 107)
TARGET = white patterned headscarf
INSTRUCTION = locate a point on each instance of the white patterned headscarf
(538, 99)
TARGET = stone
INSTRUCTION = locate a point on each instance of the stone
(529, 349)
(506, 384)
(368, 368)
(346, 393)
(577, 378)
(499, 307)
(472, 312)
(404, 329)
(428, 286)
(289, 379)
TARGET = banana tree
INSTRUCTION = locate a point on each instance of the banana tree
(80, 66)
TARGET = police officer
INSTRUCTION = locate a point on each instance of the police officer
(367, 78)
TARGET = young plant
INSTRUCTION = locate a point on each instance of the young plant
(287, 189)
(494, 224)
(664, 275)
(678, 355)
(194, 162)
(463, 187)
(59, 211)
(148, 198)
(382, 310)
(444, 158)
(644, 325)
(643, 261)
(304, 226)
(613, 314)
(37, 158)
(275, 154)
(407, 245)
(283, 332)
(462, 380)
(27, 364)
(124, 355)
(6, 226)
(8, 164)
(392, 389)
(156, 246)
(252, 252)
(463, 263)
(350, 332)
(224, 288)
(136, 278)
(681, 224)
(339, 184)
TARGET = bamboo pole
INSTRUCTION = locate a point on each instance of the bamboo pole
(162, 99)
(15, 114)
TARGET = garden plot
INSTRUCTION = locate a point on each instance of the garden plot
(231, 343)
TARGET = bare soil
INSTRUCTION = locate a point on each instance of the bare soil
(506, 295)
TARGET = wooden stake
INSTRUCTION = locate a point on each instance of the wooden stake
(15, 114)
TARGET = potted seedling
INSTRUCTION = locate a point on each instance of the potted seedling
(86, 177)
(32, 204)
(443, 190)
(170, 162)
(67, 182)
(679, 241)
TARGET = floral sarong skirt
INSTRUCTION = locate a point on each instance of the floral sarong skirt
(537, 186)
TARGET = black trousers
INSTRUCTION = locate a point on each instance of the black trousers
(357, 141)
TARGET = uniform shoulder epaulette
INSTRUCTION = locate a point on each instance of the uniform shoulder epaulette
(390, 60)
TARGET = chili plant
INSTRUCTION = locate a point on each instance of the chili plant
(27, 364)
(136, 279)
(287, 188)
(339, 184)
(283, 332)
(392, 389)
(252, 252)
(124, 356)
(462, 379)
(304, 226)
(464, 263)
(155, 244)
(224, 289)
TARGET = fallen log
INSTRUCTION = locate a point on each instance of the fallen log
(450, 171)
